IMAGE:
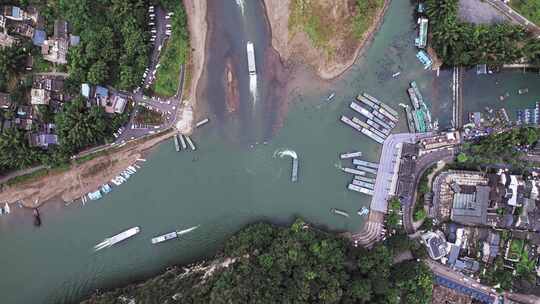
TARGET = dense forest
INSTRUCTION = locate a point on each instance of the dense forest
(467, 44)
(506, 147)
(296, 264)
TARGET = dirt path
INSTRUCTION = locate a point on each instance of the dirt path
(81, 178)
(298, 48)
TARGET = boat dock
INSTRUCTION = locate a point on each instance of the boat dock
(364, 163)
(361, 110)
(190, 143)
(350, 123)
(350, 155)
(339, 212)
(202, 122)
(363, 184)
(294, 174)
(367, 169)
(410, 119)
(353, 171)
(182, 141)
(373, 136)
(365, 179)
(381, 104)
(360, 189)
(378, 127)
(367, 102)
(383, 120)
(176, 144)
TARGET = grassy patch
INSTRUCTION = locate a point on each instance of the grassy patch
(36, 174)
(516, 248)
(174, 55)
(366, 11)
(528, 8)
(321, 26)
(148, 117)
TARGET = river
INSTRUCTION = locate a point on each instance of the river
(227, 183)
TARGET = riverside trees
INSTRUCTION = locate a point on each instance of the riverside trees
(297, 264)
(466, 44)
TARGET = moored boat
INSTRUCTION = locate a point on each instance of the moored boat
(115, 239)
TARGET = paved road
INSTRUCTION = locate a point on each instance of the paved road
(423, 163)
(515, 16)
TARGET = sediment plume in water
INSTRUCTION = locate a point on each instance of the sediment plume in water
(276, 77)
(231, 87)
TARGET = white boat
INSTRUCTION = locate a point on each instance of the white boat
(395, 75)
(363, 211)
(115, 239)
(164, 237)
(7, 209)
(172, 235)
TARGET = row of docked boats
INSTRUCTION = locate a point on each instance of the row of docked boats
(378, 119)
(181, 142)
(131, 232)
(117, 181)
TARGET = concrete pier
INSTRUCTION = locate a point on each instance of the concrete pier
(365, 179)
(360, 189)
(350, 155)
(190, 143)
(353, 171)
(367, 169)
(182, 141)
(294, 174)
(363, 184)
(364, 163)
(176, 144)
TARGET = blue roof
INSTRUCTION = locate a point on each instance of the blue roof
(16, 12)
(74, 40)
(101, 91)
(39, 37)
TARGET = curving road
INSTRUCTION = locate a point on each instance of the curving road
(509, 12)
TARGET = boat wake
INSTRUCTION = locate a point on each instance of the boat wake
(253, 87)
(285, 152)
(106, 243)
(241, 4)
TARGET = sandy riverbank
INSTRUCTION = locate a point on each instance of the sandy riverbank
(296, 47)
(198, 27)
(81, 178)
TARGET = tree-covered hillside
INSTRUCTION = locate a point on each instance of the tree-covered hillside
(297, 264)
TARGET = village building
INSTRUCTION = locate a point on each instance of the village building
(5, 101)
(6, 40)
(43, 140)
(14, 13)
(40, 97)
(23, 29)
(435, 243)
(55, 49)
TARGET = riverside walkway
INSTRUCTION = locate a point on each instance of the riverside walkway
(385, 186)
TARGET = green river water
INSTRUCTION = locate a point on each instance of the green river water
(224, 185)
